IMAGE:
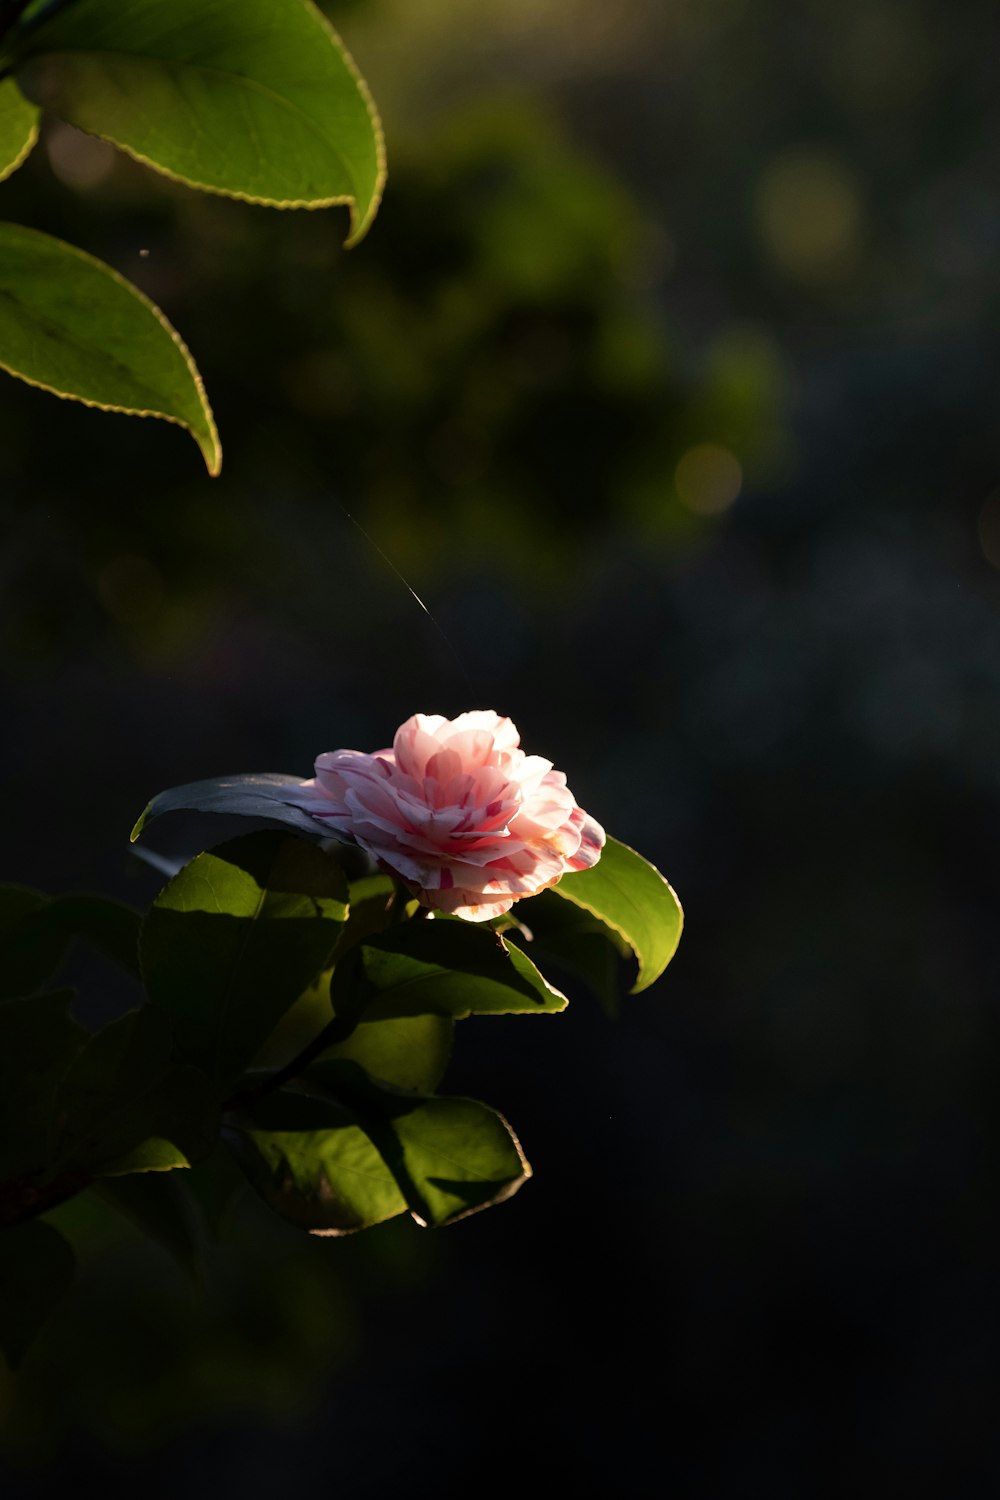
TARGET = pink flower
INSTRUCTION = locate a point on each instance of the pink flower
(458, 812)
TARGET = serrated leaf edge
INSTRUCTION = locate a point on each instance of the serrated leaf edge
(360, 221)
(212, 453)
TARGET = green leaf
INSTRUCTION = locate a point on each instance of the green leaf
(449, 1157)
(264, 795)
(351, 1152)
(311, 1161)
(36, 1269)
(160, 1207)
(36, 930)
(110, 926)
(126, 1106)
(449, 968)
(232, 941)
(73, 326)
(371, 900)
(39, 1041)
(560, 933)
(410, 1052)
(631, 897)
(18, 127)
(31, 948)
(255, 99)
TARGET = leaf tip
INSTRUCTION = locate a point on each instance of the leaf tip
(140, 823)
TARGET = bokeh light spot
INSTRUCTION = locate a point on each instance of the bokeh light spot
(79, 161)
(809, 214)
(708, 479)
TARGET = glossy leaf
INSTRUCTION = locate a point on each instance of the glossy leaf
(255, 99)
(36, 1269)
(18, 127)
(232, 941)
(253, 796)
(631, 897)
(39, 1042)
(311, 1161)
(564, 935)
(73, 326)
(36, 931)
(409, 1052)
(126, 1106)
(449, 968)
(449, 1157)
(351, 1152)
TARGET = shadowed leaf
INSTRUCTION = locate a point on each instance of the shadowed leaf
(36, 1269)
(263, 795)
(631, 897)
(232, 941)
(450, 968)
(39, 1041)
(126, 1106)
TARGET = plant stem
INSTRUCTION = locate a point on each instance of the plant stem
(337, 1030)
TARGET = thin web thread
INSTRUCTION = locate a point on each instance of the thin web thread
(412, 591)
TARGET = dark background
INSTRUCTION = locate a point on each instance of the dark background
(668, 378)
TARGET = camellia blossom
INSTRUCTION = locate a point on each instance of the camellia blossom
(458, 812)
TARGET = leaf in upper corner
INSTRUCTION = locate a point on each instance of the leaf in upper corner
(255, 99)
(75, 327)
(232, 941)
(36, 1269)
(631, 897)
(18, 127)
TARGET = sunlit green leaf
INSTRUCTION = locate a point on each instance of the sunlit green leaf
(73, 326)
(256, 99)
(36, 1269)
(351, 1152)
(18, 127)
(450, 968)
(409, 1052)
(631, 897)
(311, 1161)
(448, 1156)
(232, 941)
